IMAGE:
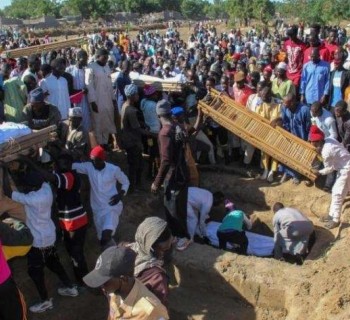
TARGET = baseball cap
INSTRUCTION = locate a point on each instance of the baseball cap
(112, 263)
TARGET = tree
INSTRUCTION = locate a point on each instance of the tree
(24, 9)
(241, 9)
(193, 9)
(264, 10)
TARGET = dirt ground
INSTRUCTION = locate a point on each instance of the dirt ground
(205, 282)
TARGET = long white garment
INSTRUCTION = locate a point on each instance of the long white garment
(99, 84)
(258, 245)
(79, 84)
(336, 158)
(199, 203)
(103, 187)
(58, 93)
(37, 205)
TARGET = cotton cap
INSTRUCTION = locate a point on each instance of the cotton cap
(163, 108)
(148, 90)
(282, 65)
(112, 263)
(130, 90)
(98, 152)
(229, 204)
(268, 69)
(166, 66)
(239, 76)
(36, 95)
(75, 112)
(177, 111)
(315, 134)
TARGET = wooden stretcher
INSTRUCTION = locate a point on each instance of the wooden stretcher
(25, 52)
(24, 145)
(159, 84)
(286, 148)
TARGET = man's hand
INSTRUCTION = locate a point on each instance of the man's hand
(323, 100)
(114, 200)
(302, 98)
(94, 107)
(85, 90)
(315, 172)
(154, 188)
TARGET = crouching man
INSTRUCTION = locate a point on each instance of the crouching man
(293, 234)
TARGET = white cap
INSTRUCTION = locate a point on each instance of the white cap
(75, 112)
(282, 65)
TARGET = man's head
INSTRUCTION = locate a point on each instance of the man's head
(266, 94)
(132, 93)
(82, 58)
(45, 70)
(6, 70)
(22, 63)
(32, 181)
(316, 109)
(218, 198)
(75, 116)
(126, 66)
(281, 70)
(240, 79)
(316, 137)
(34, 63)
(340, 108)
(30, 82)
(315, 55)
(64, 162)
(113, 268)
(102, 56)
(98, 157)
(289, 101)
(332, 36)
(58, 67)
(267, 73)
(292, 32)
(36, 99)
(178, 114)
(277, 206)
(163, 109)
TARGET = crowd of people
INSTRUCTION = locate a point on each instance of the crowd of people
(295, 80)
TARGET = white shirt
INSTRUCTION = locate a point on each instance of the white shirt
(103, 184)
(37, 205)
(58, 93)
(28, 72)
(326, 123)
(335, 156)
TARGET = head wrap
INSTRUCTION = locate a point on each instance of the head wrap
(75, 112)
(36, 95)
(268, 69)
(229, 204)
(163, 108)
(239, 76)
(282, 65)
(98, 152)
(131, 90)
(148, 90)
(315, 134)
(177, 111)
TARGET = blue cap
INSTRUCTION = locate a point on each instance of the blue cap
(177, 111)
(36, 95)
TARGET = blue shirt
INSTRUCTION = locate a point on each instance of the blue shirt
(297, 122)
(315, 81)
(148, 108)
(337, 94)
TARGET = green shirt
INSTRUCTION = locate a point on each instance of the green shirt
(15, 99)
(232, 221)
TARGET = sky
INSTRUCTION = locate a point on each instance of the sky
(4, 3)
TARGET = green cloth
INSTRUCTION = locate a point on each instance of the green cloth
(285, 87)
(232, 221)
(15, 99)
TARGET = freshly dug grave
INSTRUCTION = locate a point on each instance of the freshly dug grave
(211, 284)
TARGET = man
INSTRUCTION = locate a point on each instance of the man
(128, 297)
(281, 85)
(55, 88)
(335, 158)
(339, 79)
(332, 44)
(22, 65)
(241, 91)
(173, 173)
(15, 98)
(342, 116)
(79, 77)
(101, 97)
(324, 120)
(295, 54)
(38, 114)
(292, 231)
(132, 135)
(106, 201)
(34, 64)
(122, 81)
(315, 42)
(37, 199)
(315, 80)
(296, 119)
(72, 216)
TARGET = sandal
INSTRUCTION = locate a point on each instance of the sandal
(332, 224)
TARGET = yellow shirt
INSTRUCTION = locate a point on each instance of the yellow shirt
(140, 304)
(269, 111)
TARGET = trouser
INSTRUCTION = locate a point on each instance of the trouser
(38, 258)
(248, 152)
(235, 237)
(135, 162)
(330, 180)
(74, 243)
(154, 158)
(339, 191)
(175, 202)
(12, 304)
(268, 163)
(201, 136)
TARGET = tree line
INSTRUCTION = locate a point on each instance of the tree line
(308, 11)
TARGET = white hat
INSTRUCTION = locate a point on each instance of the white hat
(75, 112)
(282, 65)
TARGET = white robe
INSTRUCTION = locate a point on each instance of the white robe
(99, 84)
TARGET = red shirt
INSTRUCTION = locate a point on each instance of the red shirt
(241, 95)
(331, 48)
(324, 54)
(295, 54)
